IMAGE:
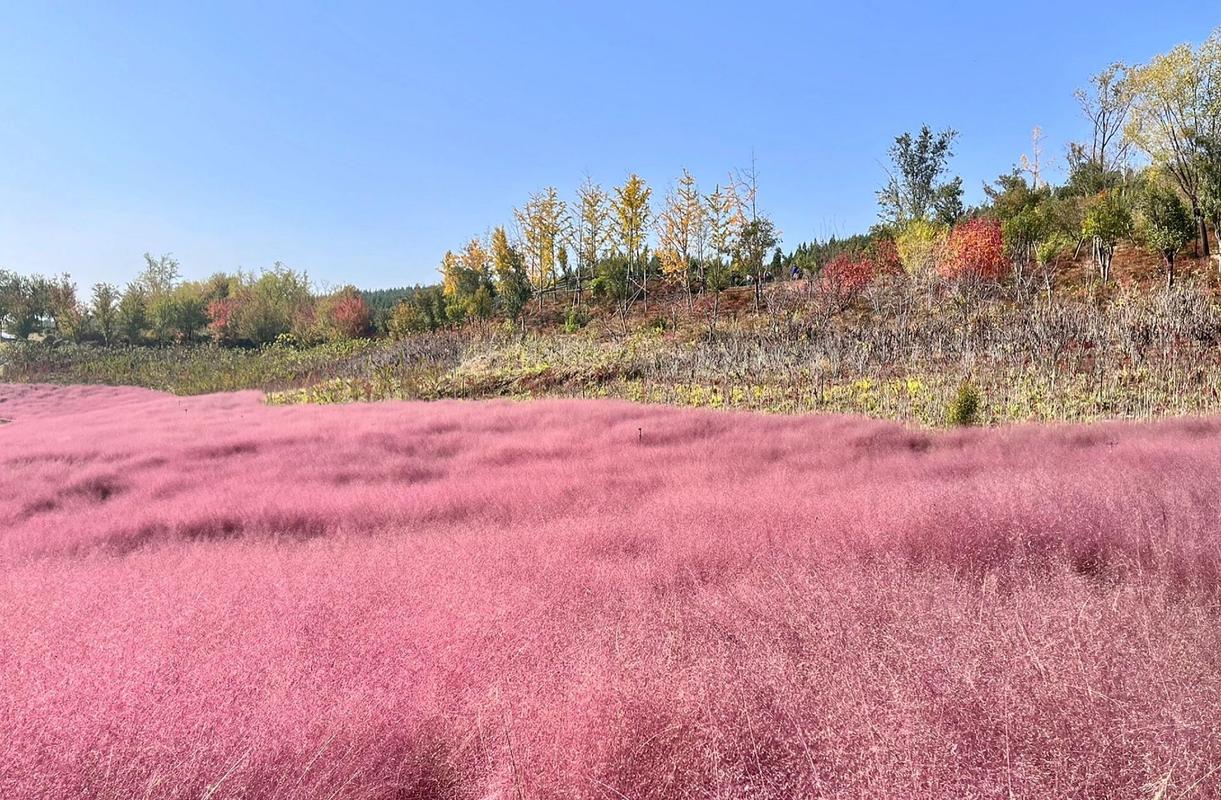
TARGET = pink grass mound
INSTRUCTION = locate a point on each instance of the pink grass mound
(210, 597)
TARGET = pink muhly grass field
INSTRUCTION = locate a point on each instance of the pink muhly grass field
(209, 598)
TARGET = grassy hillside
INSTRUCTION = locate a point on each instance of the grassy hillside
(896, 352)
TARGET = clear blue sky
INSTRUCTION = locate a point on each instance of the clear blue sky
(360, 141)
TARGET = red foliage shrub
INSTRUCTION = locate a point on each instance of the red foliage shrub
(208, 596)
(846, 276)
(975, 250)
(884, 254)
(347, 314)
(222, 318)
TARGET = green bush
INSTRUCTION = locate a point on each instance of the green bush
(964, 406)
(575, 319)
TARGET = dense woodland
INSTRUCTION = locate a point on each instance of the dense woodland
(1147, 174)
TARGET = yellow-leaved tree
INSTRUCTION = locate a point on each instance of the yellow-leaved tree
(921, 243)
(631, 230)
(509, 271)
(680, 231)
(544, 224)
(477, 266)
(591, 230)
(1176, 104)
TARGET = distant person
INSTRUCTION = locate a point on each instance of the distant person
(796, 272)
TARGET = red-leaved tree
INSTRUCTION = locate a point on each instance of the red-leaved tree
(845, 277)
(347, 315)
(222, 318)
(975, 252)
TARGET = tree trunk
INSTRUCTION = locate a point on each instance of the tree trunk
(644, 286)
(1217, 231)
(1169, 271)
(627, 288)
(1204, 235)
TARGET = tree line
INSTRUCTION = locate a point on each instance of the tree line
(604, 245)
(1149, 173)
(158, 307)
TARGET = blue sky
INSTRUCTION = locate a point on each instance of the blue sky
(359, 141)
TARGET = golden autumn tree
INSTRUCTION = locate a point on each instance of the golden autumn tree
(477, 267)
(724, 221)
(679, 230)
(509, 272)
(591, 230)
(921, 244)
(631, 226)
(453, 284)
(544, 224)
